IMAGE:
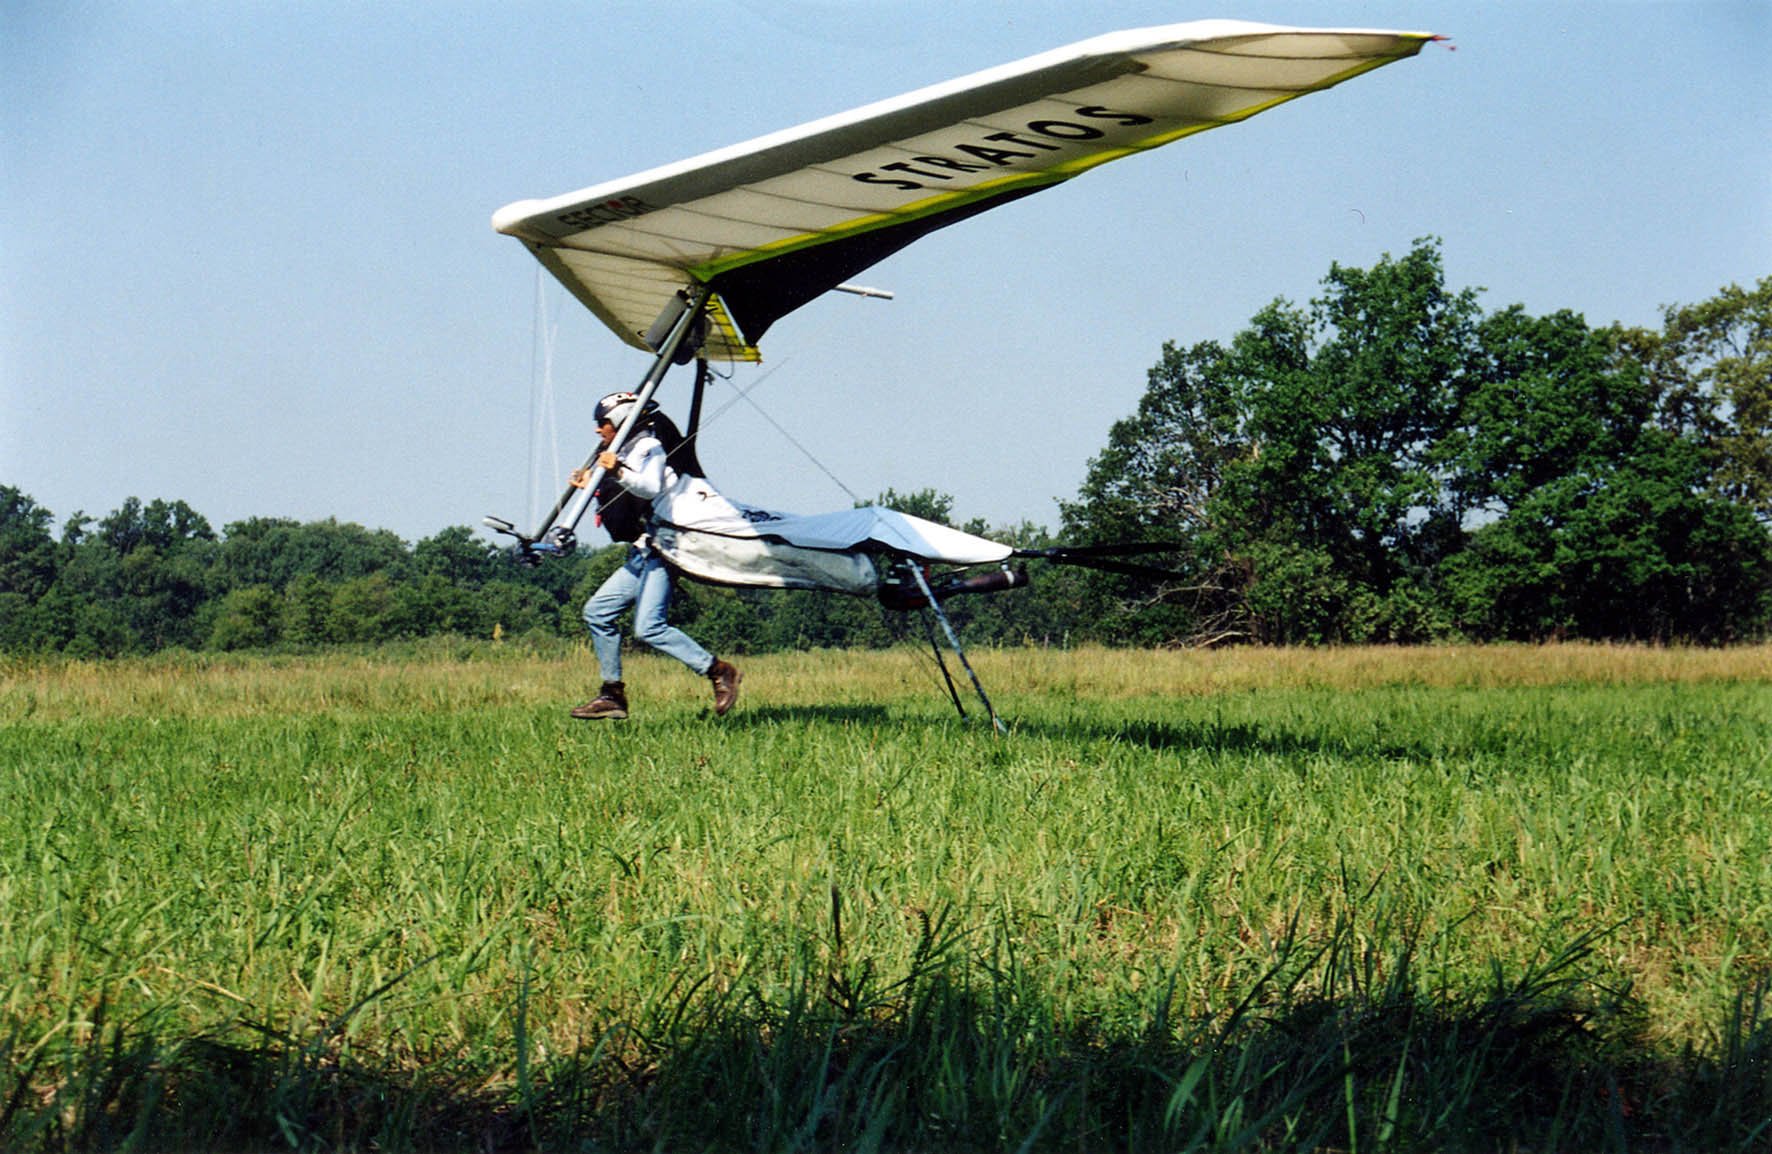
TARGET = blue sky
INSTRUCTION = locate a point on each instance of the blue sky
(245, 257)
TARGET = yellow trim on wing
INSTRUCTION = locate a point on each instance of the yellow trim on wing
(736, 347)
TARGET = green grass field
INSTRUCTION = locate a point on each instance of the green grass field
(1450, 898)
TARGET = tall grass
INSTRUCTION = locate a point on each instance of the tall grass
(1248, 900)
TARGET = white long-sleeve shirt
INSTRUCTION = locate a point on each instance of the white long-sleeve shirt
(676, 498)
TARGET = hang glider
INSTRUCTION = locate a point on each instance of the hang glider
(775, 222)
(698, 259)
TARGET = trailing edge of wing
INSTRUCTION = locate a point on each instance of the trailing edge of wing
(774, 222)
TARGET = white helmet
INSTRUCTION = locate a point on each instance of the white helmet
(615, 408)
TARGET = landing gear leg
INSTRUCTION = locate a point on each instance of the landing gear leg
(959, 651)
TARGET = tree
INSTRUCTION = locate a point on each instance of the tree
(1395, 350)
(1391, 464)
(1157, 481)
(1549, 397)
(139, 581)
(250, 617)
(431, 604)
(28, 556)
(1717, 358)
(929, 504)
(364, 611)
(275, 551)
(307, 607)
(512, 609)
(1631, 547)
(1592, 459)
(455, 555)
(163, 525)
(1301, 467)
(29, 562)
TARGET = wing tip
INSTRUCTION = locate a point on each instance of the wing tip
(509, 219)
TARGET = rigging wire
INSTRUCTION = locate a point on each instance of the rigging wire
(744, 394)
(543, 418)
(804, 451)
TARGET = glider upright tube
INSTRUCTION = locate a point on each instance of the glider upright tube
(562, 523)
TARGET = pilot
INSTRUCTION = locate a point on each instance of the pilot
(654, 477)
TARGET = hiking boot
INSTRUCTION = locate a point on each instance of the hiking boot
(725, 677)
(611, 702)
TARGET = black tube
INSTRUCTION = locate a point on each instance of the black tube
(903, 596)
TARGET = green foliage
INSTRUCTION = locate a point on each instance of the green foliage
(1597, 519)
(456, 556)
(250, 617)
(1634, 549)
(29, 564)
(1549, 399)
(166, 526)
(28, 556)
(155, 576)
(928, 504)
(1718, 356)
(1301, 467)
(1158, 481)
(1392, 465)
(276, 551)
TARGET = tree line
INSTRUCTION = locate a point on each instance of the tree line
(156, 575)
(1387, 462)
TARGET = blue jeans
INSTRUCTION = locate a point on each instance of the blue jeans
(645, 583)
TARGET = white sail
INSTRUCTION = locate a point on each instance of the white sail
(829, 551)
(774, 222)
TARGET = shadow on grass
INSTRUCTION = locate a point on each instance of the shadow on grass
(1219, 738)
(1157, 736)
(755, 717)
(958, 1053)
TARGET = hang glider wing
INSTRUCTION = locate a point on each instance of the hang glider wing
(772, 223)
